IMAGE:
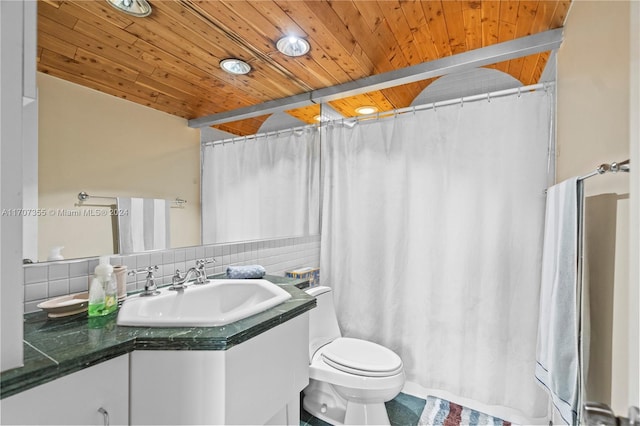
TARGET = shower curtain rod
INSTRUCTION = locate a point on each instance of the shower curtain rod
(385, 114)
(261, 135)
(622, 166)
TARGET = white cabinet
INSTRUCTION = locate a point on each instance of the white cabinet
(75, 399)
(255, 382)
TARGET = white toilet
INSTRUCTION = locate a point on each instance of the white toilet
(350, 379)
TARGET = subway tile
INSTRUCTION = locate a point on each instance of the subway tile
(131, 279)
(37, 273)
(91, 265)
(131, 287)
(190, 253)
(143, 261)
(35, 291)
(78, 269)
(179, 255)
(276, 255)
(58, 287)
(168, 256)
(129, 262)
(78, 284)
(180, 265)
(155, 259)
(32, 306)
(168, 269)
(58, 271)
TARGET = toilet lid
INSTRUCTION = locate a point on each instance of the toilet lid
(361, 357)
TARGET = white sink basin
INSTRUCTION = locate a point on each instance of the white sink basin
(217, 303)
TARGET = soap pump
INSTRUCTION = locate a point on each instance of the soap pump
(56, 253)
(103, 292)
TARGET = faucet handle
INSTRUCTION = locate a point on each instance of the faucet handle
(202, 273)
(201, 262)
(150, 287)
(148, 270)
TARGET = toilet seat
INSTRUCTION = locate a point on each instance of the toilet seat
(361, 357)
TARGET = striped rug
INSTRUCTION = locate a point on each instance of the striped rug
(441, 412)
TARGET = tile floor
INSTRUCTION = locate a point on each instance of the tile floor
(403, 410)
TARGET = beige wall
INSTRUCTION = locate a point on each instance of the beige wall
(593, 128)
(104, 145)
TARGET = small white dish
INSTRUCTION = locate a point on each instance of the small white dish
(63, 306)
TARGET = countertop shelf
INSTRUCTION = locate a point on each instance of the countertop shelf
(56, 347)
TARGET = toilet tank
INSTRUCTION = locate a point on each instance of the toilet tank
(323, 322)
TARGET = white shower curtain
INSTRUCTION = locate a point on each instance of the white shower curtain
(262, 187)
(431, 239)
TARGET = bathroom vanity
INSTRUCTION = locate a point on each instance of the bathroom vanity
(81, 371)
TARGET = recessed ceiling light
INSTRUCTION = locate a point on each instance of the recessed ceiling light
(293, 46)
(364, 110)
(139, 8)
(235, 66)
(317, 117)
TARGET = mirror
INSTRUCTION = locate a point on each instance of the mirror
(108, 147)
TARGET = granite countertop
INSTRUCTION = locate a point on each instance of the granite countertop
(56, 347)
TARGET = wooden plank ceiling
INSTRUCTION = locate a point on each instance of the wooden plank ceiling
(170, 60)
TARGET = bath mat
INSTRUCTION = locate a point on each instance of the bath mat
(441, 412)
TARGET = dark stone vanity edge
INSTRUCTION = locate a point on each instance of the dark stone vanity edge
(42, 366)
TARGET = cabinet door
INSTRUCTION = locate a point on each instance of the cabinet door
(75, 399)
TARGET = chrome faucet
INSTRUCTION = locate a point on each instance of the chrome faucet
(150, 287)
(178, 282)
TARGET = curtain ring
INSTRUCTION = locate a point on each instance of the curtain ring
(461, 102)
(434, 106)
(519, 92)
(489, 97)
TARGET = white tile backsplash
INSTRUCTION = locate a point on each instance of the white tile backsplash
(58, 271)
(59, 287)
(36, 273)
(51, 279)
(78, 284)
(35, 291)
(168, 256)
(78, 269)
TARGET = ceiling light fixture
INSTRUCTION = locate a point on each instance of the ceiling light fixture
(235, 66)
(139, 8)
(293, 46)
(365, 110)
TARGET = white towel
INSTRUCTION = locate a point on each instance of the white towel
(143, 224)
(557, 353)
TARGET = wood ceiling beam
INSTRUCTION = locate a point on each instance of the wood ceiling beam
(524, 46)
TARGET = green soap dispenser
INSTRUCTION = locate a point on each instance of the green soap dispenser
(103, 298)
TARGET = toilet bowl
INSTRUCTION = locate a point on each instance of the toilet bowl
(349, 379)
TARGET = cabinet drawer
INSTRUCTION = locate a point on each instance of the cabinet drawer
(75, 399)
